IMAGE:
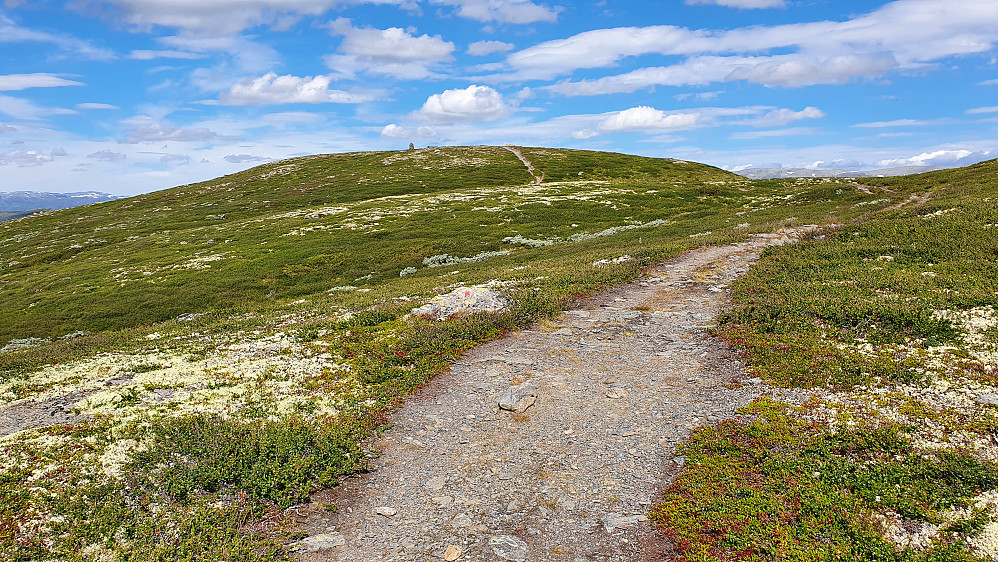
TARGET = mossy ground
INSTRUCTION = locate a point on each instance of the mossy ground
(230, 311)
(889, 321)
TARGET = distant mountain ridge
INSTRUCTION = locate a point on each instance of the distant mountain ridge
(30, 200)
(774, 173)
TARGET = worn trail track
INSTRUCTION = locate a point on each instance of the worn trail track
(620, 382)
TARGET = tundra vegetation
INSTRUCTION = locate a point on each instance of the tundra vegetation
(221, 350)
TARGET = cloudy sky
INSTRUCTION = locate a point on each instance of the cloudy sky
(129, 96)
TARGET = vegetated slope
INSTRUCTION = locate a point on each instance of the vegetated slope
(894, 322)
(10, 215)
(243, 237)
(210, 352)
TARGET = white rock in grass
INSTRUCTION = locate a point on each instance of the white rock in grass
(463, 300)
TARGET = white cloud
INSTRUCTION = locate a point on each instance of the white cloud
(158, 132)
(224, 17)
(837, 164)
(482, 48)
(106, 156)
(10, 32)
(95, 106)
(24, 158)
(901, 35)
(7, 129)
(503, 11)
(701, 96)
(142, 54)
(776, 70)
(790, 132)
(961, 157)
(23, 109)
(392, 52)
(10, 82)
(989, 83)
(394, 131)
(979, 110)
(243, 158)
(474, 103)
(273, 89)
(780, 117)
(175, 159)
(897, 123)
(743, 4)
(643, 118)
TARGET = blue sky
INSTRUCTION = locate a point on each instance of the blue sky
(129, 96)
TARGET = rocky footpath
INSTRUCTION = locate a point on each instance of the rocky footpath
(550, 443)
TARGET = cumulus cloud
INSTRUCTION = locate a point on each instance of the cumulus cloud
(159, 132)
(394, 131)
(106, 156)
(503, 11)
(58, 152)
(474, 103)
(24, 158)
(37, 80)
(643, 118)
(243, 158)
(391, 52)
(7, 129)
(959, 157)
(743, 4)
(271, 88)
(482, 48)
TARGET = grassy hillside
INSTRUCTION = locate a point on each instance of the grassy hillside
(893, 322)
(218, 350)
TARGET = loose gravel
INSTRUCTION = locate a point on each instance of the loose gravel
(614, 386)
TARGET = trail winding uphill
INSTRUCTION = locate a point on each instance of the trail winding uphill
(616, 384)
(530, 166)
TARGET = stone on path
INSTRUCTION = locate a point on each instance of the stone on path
(452, 553)
(386, 511)
(518, 398)
(508, 547)
(321, 542)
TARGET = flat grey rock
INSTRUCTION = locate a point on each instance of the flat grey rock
(508, 547)
(611, 522)
(987, 399)
(518, 398)
(316, 543)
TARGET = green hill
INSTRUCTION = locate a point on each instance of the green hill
(236, 338)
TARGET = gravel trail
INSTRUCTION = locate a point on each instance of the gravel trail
(617, 384)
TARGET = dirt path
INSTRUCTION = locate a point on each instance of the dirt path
(619, 382)
(530, 167)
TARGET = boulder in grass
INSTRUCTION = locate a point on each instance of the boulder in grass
(461, 301)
